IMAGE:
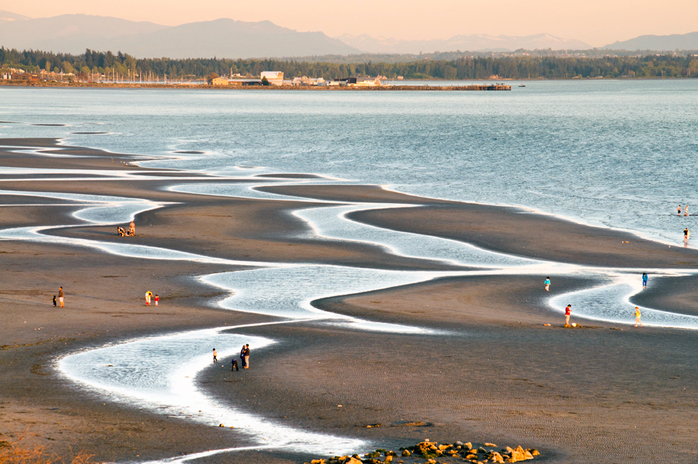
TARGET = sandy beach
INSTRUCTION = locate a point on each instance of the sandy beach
(490, 370)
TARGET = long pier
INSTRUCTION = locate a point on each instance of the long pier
(470, 87)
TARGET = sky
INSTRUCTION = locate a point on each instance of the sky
(596, 22)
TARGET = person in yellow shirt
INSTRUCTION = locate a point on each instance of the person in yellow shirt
(637, 316)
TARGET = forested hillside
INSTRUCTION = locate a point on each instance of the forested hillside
(511, 67)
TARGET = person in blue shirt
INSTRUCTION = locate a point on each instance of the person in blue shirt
(547, 284)
(644, 280)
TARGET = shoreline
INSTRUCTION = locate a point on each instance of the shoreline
(464, 87)
(483, 380)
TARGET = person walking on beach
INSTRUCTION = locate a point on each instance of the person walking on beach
(247, 356)
(547, 284)
(644, 280)
(215, 356)
(678, 211)
(637, 316)
(148, 294)
(157, 299)
(61, 296)
(685, 210)
(242, 357)
(54, 300)
(686, 234)
(568, 313)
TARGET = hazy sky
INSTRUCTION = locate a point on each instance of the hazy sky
(596, 22)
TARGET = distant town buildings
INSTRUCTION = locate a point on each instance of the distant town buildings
(273, 77)
(219, 81)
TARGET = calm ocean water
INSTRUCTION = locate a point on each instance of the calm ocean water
(610, 153)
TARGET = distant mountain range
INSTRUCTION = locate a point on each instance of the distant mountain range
(473, 43)
(658, 42)
(226, 38)
(222, 38)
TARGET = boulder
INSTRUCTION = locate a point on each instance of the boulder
(406, 453)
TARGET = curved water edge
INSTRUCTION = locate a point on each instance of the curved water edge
(611, 303)
(277, 289)
(159, 374)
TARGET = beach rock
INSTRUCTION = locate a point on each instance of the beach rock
(388, 459)
(468, 445)
(534, 452)
(406, 453)
(491, 445)
(318, 461)
(344, 460)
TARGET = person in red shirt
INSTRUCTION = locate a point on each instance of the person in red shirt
(568, 312)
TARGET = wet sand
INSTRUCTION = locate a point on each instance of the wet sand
(496, 373)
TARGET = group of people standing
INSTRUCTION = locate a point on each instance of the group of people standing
(149, 297)
(244, 358)
(568, 308)
(61, 297)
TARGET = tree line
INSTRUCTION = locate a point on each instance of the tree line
(464, 67)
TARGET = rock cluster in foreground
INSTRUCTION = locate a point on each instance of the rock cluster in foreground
(430, 452)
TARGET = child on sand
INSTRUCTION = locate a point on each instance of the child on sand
(54, 300)
(644, 280)
(157, 299)
(568, 312)
(215, 356)
(547, 284)
(637, 317)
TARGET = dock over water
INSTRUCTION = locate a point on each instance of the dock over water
(426, 87)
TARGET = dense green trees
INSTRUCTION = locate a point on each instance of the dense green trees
(463, 67)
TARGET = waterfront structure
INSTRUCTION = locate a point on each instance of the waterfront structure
(273, 77)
